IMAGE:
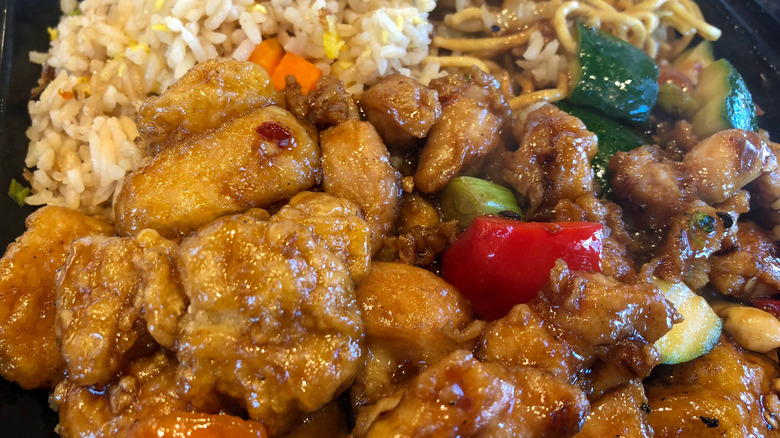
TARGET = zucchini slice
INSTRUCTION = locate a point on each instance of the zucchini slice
(692, 61)
(613, 77)
(724, 100)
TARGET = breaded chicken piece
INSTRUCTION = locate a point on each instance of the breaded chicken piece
(621, 412)
(461, 396)
(401, 108)
(474, 116)
(726, 393)
(610, 326)
(356, 166)
(522, 339)
(552, 162)
(101, 301)
(207, 96)
(751, 268)
(254, 160)
(337, 223)
(272, 323)
(29, 354)
(412, 319)
(147, 388)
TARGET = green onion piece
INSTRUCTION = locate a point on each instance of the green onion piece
(18, 192)
(465, 198)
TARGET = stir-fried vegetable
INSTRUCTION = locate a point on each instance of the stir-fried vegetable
(724, 99)
(697, 334)
(497, 262)
(692, 61)
(304, 71)
(465, 198)
(613, 77)
(18, 192)
(268, 54)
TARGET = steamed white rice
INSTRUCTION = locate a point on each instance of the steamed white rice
(108, 56)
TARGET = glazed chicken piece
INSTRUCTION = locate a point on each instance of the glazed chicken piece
(750, 269)
(356, 166)
(100, 304)
(621, 413)
(402, 109)
(272, 322)
(522, 339)
(207, 96)
(691, 239)
(327, 105)
(725, 162)
(147, 388)
(254, 160)
(586, 328)
(29, 354)
(610, 326)
(651, 186)
(725, 393)
(461, 396)
(412, 320)
(337, 224)
(331, 418)
(552, 162)
(474, 117)
(766, 192)
(188, 424)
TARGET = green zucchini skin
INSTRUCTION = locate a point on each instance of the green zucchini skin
(724, 100)
(466, 197)
(613, 77)
(692, 61)
(613, 137)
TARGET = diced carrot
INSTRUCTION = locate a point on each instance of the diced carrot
(267, 54)
(304, 71)
(193, 425)
(67, 95)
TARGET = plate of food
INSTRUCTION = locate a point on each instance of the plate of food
(389, 218)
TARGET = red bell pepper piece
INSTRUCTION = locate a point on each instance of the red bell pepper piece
(497, 263)
(770, 305)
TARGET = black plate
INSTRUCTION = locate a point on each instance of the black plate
(749, 30)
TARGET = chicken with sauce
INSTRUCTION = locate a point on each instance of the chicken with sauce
(284, 299)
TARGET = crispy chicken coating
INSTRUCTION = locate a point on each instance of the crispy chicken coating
(727, 392)
(521, 339)
(272, 323)
(751, 268)
(621, 412)
(402, 109)
(207, 96)
(412, 320)
(552, 162)
(473, 118)
(356, 166)
(327, 105)
(766, 192)
(29, 354)
(610, 326)
(147, 388)
(651, 185)
(725, 162)
(100, 304)
(254, 160)
(461, 396)
(337, 223)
